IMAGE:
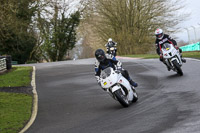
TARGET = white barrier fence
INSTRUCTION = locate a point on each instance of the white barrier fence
(2, 64)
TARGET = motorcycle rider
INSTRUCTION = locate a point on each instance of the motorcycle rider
(110, 44)
(161, 39)
(104, 61)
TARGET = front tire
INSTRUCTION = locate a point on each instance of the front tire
(178, 68)
(121, 98)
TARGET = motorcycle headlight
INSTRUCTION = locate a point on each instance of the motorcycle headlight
(112, 48)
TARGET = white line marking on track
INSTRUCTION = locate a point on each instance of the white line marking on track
(35, 103)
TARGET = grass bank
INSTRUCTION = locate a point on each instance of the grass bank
(18, 76)
(195, 55)
(15, 108)
(15, 111)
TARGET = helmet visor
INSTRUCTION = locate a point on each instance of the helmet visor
(159, 35)
(101, 58)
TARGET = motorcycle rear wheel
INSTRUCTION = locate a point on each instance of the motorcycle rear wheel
(135, 96)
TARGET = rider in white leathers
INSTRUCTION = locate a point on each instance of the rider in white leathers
(110, 44)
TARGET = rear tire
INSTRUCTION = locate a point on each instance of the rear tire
(121, 98)
(135, 96)
(178, 68)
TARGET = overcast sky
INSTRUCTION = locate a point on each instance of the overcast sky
(192, 6)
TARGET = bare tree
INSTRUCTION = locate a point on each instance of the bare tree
(132, 22)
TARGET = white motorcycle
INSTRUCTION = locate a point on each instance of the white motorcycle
(172, 58)
(118, 87)
(112, 50)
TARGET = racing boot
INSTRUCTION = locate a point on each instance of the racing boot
(168, 68)
(183, 60)
(134, 84)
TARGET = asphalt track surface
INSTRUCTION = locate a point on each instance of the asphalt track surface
(70, 101)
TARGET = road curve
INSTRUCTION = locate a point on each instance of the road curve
(70, 101)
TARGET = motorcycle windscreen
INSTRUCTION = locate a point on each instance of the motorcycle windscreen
(106, 73)
(166, 46)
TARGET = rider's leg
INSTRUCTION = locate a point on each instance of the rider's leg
(107, 51)
(115, 52)
(168, 68)
(182, 59)
(126, 75)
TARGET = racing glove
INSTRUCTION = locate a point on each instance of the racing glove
(98, 80)
(176, 47)
(161, 56)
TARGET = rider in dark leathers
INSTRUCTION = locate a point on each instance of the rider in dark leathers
(161, 39)
(104, 61)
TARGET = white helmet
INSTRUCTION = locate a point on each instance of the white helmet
(110, 40)
(159, 34)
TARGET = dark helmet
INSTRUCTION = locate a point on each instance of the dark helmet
(100, 55)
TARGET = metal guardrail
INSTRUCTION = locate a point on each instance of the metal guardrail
(191, 47)
(2, 64)
(14, 62)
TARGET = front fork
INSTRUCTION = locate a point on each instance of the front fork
(112, 89)
(169, 61)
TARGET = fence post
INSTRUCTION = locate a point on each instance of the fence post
(2, 64)
(8, 61)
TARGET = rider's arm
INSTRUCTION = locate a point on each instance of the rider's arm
(158, 49)
(97, 71)
(115, 44)
(117, 63)
(107, 48)
(171, 40)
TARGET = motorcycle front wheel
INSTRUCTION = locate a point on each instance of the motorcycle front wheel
(121, 98)
(178, 68)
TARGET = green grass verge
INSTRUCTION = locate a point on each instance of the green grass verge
(15, 108)
(18, 76)
(151, 56)
(195, 55)
(15, 111)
